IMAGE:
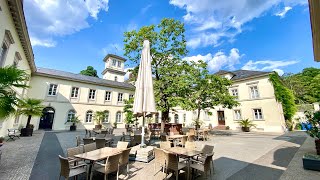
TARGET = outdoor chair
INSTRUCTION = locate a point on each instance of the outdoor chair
(159, 158)
(104, 132)
(111, 165)
(136, 140)
(191, 138)
(89, 147)
(122, 145)
(100, 143)
(202, 166)
(190, 145)
(192, 131)
(172, 163)
(164, 137)
(111, 136)
(111, 131)
(203, 135)
(165, 145)
(13, 133)
(71, 152)
(100, 135)
(183, 141)
(68, 171)
(87, 133)
(124, 160)
(79, 141)
(88, 141)
(206, 150)
(126, 138)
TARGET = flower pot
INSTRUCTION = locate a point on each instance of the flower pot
(98, 126)
(26, 132)
(311, 163)
(317, 143)
(73, 127)
(245, 129)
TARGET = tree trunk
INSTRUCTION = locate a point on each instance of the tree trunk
(164, 118)
(198, 115)
(28, 122)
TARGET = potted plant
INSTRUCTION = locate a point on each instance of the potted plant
(74, 120)
(311, 162)
(29, 107)
(313, 129)
(99, 117)
(115, 125)
(246, 124)
(197, 123)
(128, 112)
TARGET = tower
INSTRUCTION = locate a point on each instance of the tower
(114, 68)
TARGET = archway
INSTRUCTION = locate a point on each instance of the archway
(46, 120)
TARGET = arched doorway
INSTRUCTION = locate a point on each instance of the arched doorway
(46, 119)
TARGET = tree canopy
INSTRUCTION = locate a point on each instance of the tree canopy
(90, 71)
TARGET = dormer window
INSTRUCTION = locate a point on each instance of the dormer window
(114, 62)
(119, 64)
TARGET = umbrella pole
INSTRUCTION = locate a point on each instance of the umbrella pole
(142, 133)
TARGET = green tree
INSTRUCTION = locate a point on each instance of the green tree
(30, 107)
(11, 77)
(128, 105)
(209, 90)
(99, 116)
(90, 71)
(167, 47)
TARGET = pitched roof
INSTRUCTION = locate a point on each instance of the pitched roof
(243, 74)
(114, 56)
(81, 78)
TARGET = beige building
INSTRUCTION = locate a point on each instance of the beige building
(66, 95)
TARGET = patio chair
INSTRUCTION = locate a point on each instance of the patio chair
(104, 132)
(172, 163)
(190, 145)
(111, 131)
(67, 171)
(191, 138)
(100, 143)
(111, 165)
(159, 158)
(203, 135)
(79, 141)
(122, 145)
(124, 160)
(71, 152)
(203, 166)
(100, 135)
(88, 141)
(89, 147)
(13, 133)
(87, 133)
(136, 140)
(111, 136)
(164, 137)
(183, 141)
(206, 150)
(165, 145)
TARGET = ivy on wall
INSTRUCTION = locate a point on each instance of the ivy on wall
(283, 95)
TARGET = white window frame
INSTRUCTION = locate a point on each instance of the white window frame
(53, 88)
(131, 96)
(17, 59)
(176, 118)
(70, 115)
(92, 92)
(106, 117)
(110, 96)
(260, 117)
(255, 94)
(7, 41)
(75, 95)
(114, 62)
(235, 91)
(184, 118)
(119, 120)
(89, 116)
(119, 64)
(121, 100)
(116, 78)
(236, 117)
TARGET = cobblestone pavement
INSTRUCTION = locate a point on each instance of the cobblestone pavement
(18, 157)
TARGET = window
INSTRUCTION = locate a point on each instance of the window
(106, 117)
(74, 92)
(92, 94)
(119, 64)
(254, 92)
(130, 96)
(71, 115)
(52, 90)
(234, 93)
(257, 114)
(3, 53)
(16, 60)
(237, 114)
(114, 62)
(108, 96)
(118, 117)
(116, 78)
(120, 97)
(16, 120)
(89, 117)
(176, 118)
(184, 118)
(157, 118)
(8, 39)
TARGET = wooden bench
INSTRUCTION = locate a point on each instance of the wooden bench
(13, 133)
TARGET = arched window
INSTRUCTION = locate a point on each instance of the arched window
(71, 114)
(118, 117)
(106, 117)
(89, 116)
(176, 118)
(157, 118)
(184, 118)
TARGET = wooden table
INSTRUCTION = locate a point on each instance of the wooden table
(174, 137)
(187, 153)
(97, 155)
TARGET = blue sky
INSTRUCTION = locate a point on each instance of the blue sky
(234, 34)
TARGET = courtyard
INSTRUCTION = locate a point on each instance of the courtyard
(237, 155)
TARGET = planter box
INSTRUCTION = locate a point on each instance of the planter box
(311, 162)
(245, 129)
(73, 128)
(26, 132)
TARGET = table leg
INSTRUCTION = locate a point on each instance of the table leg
(90, 169)
(188, 169)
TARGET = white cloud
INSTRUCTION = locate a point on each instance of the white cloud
(283, 13)
(223, 19)
(268, 65)
(114, 48)
(127, 73)
(145, 9)
(48, 19)
(219, 60)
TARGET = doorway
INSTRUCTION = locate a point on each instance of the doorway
(46, 120)
(221, 119)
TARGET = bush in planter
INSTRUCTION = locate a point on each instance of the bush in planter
(115, 125)
(313, 130)
(74, 121)
(311, 162)
(246, 124)
(99, 117)
(197, 123)
(227, 127)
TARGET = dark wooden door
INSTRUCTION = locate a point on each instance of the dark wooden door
(46, 120)
(221, 119)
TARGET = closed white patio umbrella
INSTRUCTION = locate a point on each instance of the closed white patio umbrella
(144, 103)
